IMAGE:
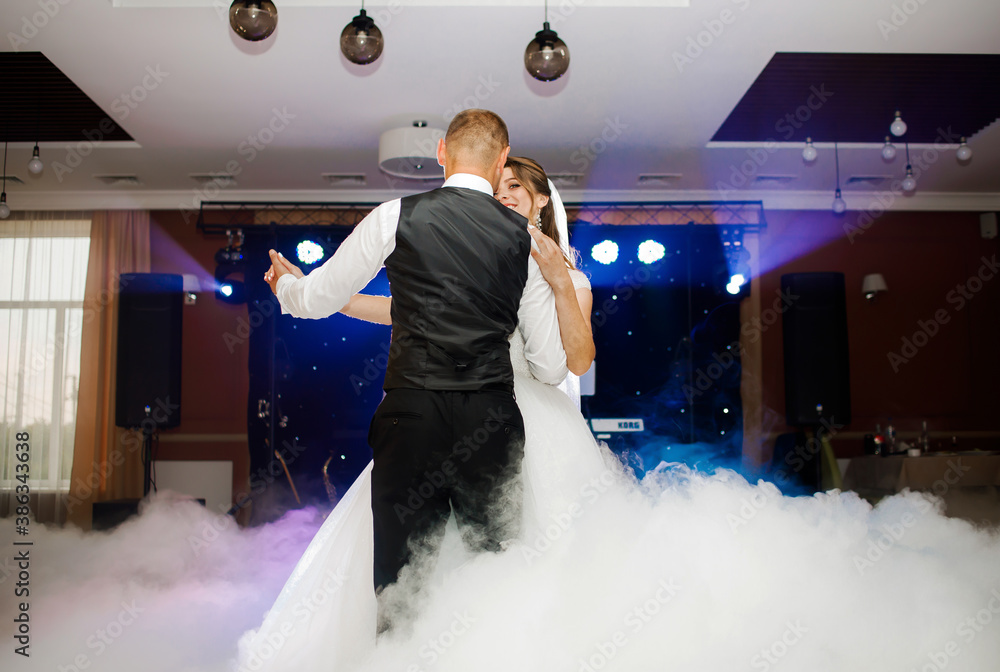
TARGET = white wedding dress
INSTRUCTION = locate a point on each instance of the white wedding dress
(325, 617)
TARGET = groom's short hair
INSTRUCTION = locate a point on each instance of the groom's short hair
(477, 137)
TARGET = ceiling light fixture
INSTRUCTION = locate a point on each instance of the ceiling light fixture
(35, 165)
(809, 152)
(898, 126)
(888, 150)
(839, 206)
(546, 57)
(4, 208)
(253, 20)
(361, 41)
(909, 182)
(964, 152)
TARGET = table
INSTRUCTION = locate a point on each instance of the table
(968, 482)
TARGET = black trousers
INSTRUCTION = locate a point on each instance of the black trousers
(438, 451)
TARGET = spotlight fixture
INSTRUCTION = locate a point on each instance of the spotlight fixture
(909, 182)
(734, 273)
(651, 251)
(964, 152)
(839, 206)
(253, 20)
(229, 260)
(605, 252)
(898, 126)
(888, 150)
(809, 152)
(4, 208)
(546, 57)
(361, 41)
(872, 285)
(35, 165)
(309, 252)
(736, 282)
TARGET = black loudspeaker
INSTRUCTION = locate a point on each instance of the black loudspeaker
(817, 368)
(149, 350)
(109, 515)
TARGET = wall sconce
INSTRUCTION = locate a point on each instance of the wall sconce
(872, 285)
(191, 289)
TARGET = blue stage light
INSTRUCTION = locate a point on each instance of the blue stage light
(605, 252)
(309, 252)
(736, 281)
(651, 251)
(226, 289)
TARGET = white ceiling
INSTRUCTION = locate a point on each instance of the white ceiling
(215, 91)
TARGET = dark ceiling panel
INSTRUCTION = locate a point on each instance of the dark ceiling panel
(853, 97)
(38, 103)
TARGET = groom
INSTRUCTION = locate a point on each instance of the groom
(462, 279)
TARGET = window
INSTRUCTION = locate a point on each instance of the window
(43, 272)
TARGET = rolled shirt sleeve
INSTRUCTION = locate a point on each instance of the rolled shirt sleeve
(359, 258)
(539, 325)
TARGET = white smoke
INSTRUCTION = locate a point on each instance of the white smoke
(687, 572)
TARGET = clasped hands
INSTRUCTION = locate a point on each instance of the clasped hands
(279, 267)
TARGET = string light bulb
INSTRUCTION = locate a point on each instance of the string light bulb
(888, 150)
(35, 165)
(809, 152)
(964, 152)
(898, 126)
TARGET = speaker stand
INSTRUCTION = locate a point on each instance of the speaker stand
(147, 459)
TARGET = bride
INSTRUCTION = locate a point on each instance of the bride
(325, 616)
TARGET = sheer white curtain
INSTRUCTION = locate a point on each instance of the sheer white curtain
(43, 271)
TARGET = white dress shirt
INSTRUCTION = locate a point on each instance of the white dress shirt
(327, 289)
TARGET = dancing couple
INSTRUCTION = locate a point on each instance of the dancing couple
(488, 313)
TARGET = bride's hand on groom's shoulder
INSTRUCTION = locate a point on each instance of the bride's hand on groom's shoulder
(550, 260)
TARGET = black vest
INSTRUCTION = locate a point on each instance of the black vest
(457, 274)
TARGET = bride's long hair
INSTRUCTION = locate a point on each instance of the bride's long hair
(533, 178)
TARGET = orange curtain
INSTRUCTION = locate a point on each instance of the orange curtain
(107, 460)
